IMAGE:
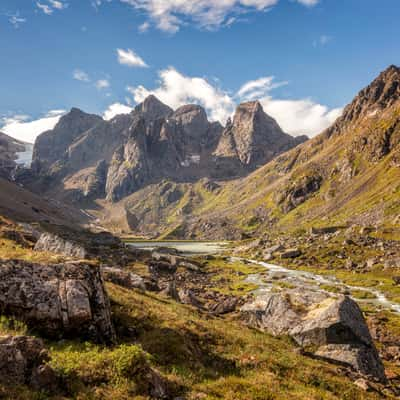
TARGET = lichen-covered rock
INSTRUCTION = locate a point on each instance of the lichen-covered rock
(23, 361)
(57, 299)
(332, 327)
(59, 245)
(123, 278)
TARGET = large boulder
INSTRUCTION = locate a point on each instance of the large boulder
(330, 327)
(23, 362)
(57, 299)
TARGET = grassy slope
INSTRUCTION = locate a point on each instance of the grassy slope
(203, 357)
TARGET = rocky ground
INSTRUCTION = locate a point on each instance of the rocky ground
(121, 323)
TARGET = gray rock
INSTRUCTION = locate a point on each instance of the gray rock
(333, 327)
(123, 278)
(59, 245)
(22, 361)
(57, 300)
(290, 253)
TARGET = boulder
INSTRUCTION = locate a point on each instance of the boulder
(161, 268)
(23, 362)
(59, 245)
(225, 306)
(332, 327)
(290, 253)
(57, 300)
(123, 278)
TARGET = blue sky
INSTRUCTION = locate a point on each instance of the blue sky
(305, 59)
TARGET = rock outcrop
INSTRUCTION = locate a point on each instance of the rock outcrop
(123, 278)
(58, 300)
(331, 328)
(23, 362)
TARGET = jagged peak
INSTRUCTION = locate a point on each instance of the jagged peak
(153, 108)
(250, 106)
(187, 108)
(379, 95)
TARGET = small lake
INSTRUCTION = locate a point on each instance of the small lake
(184, 247)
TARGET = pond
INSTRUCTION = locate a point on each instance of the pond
(184, 247)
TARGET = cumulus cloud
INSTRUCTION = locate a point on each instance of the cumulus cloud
(116, 109)
(177, 89)
(296, 116)
(130, 58)
(22, 128)
(102, 84)
(80, 75)
(300, 117)
(170, 15)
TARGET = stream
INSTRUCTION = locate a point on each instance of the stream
(308, 280)
(273, 274)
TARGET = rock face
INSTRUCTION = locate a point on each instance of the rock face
(86, 158)
(22, 361)
(8, 149)
(83, 244)
(57, 300)
(333, 328)
(254, 138)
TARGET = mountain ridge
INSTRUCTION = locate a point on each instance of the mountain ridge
(148, 145)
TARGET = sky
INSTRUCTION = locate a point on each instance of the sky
(303, 59)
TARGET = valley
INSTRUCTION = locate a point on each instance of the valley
(158, 255)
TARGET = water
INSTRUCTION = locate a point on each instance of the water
(188, 248)
(309, 280)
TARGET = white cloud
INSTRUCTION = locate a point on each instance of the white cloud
(258, 88)
(177, 90)
(59, 5)
(170, 15)
(130, 58)
(19, 126)
(116, 109)
(308, 3)
(50, 6)
(102, 84)
(296, 116)
(80, 75)
(144, 27)
(16, 20)
(300, 117)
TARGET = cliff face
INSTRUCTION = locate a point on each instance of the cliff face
(9, 147)
(85, 158)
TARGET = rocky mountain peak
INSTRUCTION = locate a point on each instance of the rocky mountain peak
(381, 94)
(152, 108)
(51, 145)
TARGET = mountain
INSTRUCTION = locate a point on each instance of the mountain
(347, 175)
(85, 158)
